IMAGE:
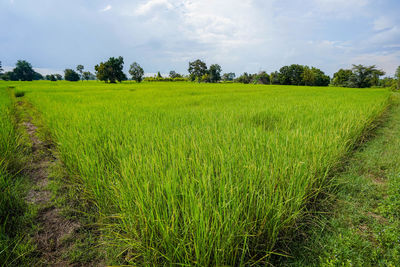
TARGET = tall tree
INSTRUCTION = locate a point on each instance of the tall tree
(137, 72)
(308, 76)
(71, 75)
(228, 76)
(87, 75)
(244, 78)
(320, 78)
(197, 69)
(342, 78)
(173, 74)
(285, 75)
(215, 73)
(23, 71)
(397, 77)
(111, 70)
(80, 69)
(363, 76)
(274, 77)
(261, 78)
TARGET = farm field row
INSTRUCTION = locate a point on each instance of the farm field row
(200, 174)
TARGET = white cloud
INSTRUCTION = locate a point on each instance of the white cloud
(382, 23)
(107, 8)
(143, 9)
(388, 61)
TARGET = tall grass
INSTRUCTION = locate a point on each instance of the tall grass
(201, 174)
(14, 247)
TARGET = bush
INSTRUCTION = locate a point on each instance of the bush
(19, 94)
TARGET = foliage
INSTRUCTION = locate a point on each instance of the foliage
(274, 77)
(173, 74)
(201, 174)
(244, 78)
(397, 77)
(342, 78)
(51, 77)
(23, 71)
(197, 69)
(308, 76)
(87, 75)
(58, 77)
(320, 78)
(228, 76)
(159, 75)
(261, 78)
(137, 72)
(364, 76)
(215, 73)
(166, 79)
(111, 70)
(80, 69)
(71, 75)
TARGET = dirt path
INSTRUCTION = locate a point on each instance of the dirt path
(53, 227)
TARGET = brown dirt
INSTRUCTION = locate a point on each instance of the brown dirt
(54, 228)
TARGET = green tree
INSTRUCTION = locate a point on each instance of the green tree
(215, 73)
(80, 69)
(59, 77)
(320, 78)
(37, 76)
(261, 78)
(173, 74)
(375, 79)
(111, 70)
(285, 75)
(363, 76)
(274, 78)
(397, 77)
(244, 78)
(228, 76)
(159, 75)
(137, 72)
(51, 77)
(342, 78)
(87, 75)
(71, 75)
(308, 76)
(23, 71)
(197, 69)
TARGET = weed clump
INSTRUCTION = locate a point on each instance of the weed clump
(19, 94)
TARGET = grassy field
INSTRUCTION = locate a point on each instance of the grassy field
(200, 174)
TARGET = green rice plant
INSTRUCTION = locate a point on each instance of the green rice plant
(14, 247)
(201, 174)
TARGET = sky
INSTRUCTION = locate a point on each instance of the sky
(163, 35)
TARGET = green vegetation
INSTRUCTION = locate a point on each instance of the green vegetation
(362, 227)
(358, 77)
(71, 75)
(23, 71)
(201, 173)
(15, 215)
(111, 70)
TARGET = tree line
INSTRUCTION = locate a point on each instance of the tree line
(111, 71)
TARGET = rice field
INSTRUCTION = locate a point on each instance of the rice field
(200, 174)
